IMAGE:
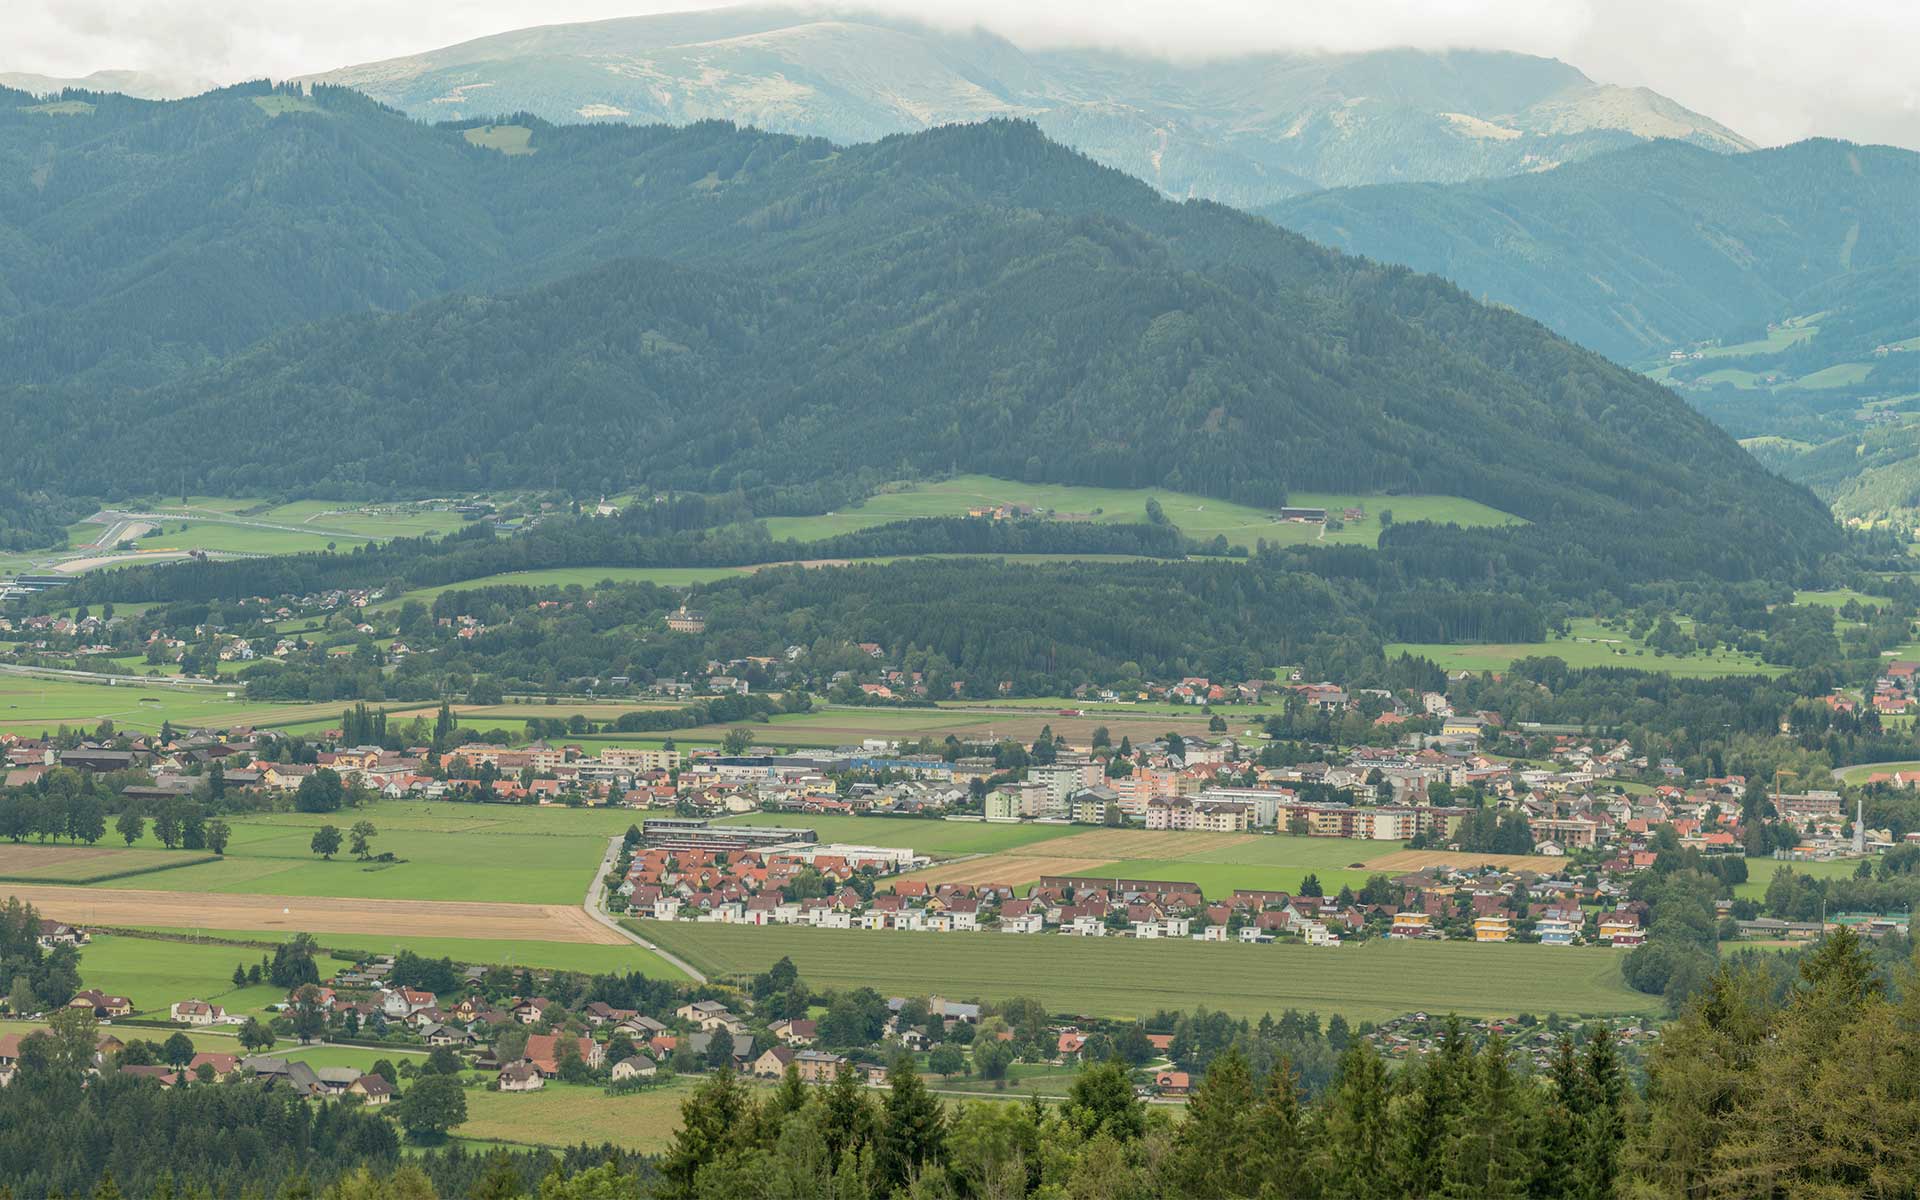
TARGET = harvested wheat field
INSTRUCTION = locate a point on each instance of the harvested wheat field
(1014, 870)
(310, 914)
(1414, 860)
(13, 857)
(1111, 844)
(1092, 853)
(85, 864)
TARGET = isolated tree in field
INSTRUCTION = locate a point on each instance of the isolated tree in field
(1310, 885)
(178, 1050)
(130, 825)
(255, 1036)
(433, 1105)
(218, 833)
(326, 841)
(738, 741)
(293, 964)
(363, 833)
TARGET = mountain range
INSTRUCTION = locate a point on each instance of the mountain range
(1654, 246)
(266, 289)
(142, 85)
(1244, 130)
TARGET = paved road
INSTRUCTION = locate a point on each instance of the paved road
(593, 908)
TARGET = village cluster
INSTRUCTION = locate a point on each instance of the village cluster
(513, 1042)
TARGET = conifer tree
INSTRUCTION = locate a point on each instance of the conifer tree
(1356, 1139)
(1212, 1142)
(912, 1130)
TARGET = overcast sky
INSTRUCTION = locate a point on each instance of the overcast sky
(1774, 70)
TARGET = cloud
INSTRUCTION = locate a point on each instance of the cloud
(1776, 70)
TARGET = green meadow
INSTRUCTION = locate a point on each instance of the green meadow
(1588, 644)
(1760, 873)
(252, 526)
(1123, 977)
(448, 851)
(1838, 598)
(506, 952)
(560, 577)
(1865, 771)
(1200, 517)
(154, 972)
(30, 704)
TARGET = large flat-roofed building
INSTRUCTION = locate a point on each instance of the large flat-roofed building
(695, 833)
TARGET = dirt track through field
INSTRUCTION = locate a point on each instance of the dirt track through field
(312, 914)
(1414, 860)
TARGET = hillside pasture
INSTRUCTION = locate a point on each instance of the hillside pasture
(564, 1115)
(1123, 977)
(1199, 517)
(561, 577)
(838, 726)
(1588, 644)
(32, 704)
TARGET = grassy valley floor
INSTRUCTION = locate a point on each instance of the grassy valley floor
(1115, 977)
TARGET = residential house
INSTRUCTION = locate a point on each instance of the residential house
(639, 1066)
(521, 1076)
(101, 1004)
(195, 1012)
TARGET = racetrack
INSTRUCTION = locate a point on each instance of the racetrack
(311, 914)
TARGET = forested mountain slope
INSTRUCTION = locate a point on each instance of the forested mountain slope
(1648, 247)
(789, 319)
(1243, 130)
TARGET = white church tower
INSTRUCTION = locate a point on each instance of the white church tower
(1860, 826)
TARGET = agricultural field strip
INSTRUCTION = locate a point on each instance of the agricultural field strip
(317, 914)
(1116, 977)
(87, 864)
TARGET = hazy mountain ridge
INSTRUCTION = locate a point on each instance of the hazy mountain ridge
(1244, 131)
(141, 85)
(1645, 248)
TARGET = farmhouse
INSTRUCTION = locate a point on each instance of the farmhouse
(196, 1012)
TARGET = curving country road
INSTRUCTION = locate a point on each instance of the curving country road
(594, 909)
